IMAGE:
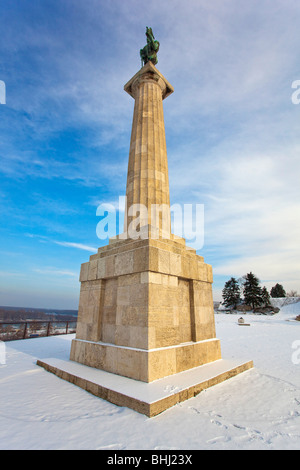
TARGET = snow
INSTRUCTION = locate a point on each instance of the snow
(284, 301)
(258, 409)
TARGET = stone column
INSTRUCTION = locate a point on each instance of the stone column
(147, 179)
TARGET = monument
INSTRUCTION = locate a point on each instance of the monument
(146, 318)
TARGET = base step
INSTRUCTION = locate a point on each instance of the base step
(149, 399)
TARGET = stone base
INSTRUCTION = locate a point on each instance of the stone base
(145, 365)
(149, 399)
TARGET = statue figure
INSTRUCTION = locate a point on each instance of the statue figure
(149, 52)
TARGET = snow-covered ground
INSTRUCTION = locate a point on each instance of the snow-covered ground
(259, 409)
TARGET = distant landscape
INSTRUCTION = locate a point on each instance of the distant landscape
(9, 314)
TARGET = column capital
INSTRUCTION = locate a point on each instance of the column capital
(147, 73)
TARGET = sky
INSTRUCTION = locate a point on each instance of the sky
(232, 132)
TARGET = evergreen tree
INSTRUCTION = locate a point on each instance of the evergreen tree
(265, 296)
(278, 291)
(252, 291)
(231, 293)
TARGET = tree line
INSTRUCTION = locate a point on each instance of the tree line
(9, 314)
(253, 294)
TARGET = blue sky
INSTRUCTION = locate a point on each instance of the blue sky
(232, 133)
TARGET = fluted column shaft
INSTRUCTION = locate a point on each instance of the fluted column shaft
(147, 178)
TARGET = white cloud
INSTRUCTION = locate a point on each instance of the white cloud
(78, 246)
(56, 272)
(273, 266)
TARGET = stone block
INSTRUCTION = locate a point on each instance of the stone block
(151, 278)
(161, 364)
(141, 259)
(124, 263)
(153, 259)
(193, 268)
(110, 266)
(101, 268)
(138, 337)
(84, 271)
(164, 262)
(209, 273)
(123, 296)
(202, 271)
(108, 333)
(122, 336)
(93, 268)
(175, 264)
(185, 358)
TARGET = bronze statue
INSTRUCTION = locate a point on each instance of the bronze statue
(149, 52)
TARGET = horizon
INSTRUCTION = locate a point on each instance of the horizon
(38, 308)
(232, 131)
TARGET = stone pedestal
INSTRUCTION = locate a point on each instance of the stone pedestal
(145, 310)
